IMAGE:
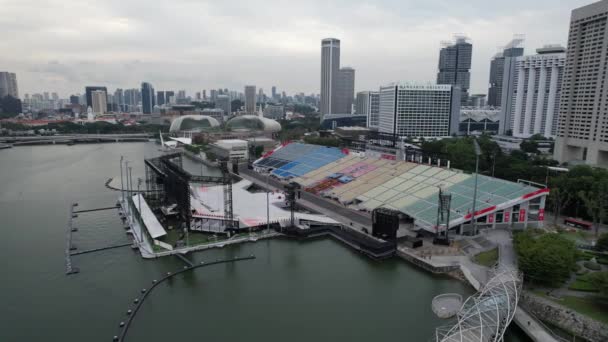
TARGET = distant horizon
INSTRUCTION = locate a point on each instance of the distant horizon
(194, 46)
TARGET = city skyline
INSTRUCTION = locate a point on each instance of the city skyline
(70, 55)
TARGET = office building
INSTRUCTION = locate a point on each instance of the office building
(582, 134)
(274, 92)
(147, 98)
(330, 67)
(223, 102)
(455, 65)
(88, 90)
(417, 110)
(8, 85)
(160, 98)
(368, 104)
(275, 112)
(477, 100)
(74, 99)
(499, 62)
(213, 94)
(533, 107)
(345, 91)
(169, 97)
(99, 102)
(216, 113)
(250, 99)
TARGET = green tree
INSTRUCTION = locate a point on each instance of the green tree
(529, 146)
(596, 202)
(600, 281)
(602, 242)
(546, 259)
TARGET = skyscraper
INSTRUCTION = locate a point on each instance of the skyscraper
(455, 65)
(119, 99)
(583, 118)
(8, 85)
(330, 66)
(534, 104)
(345, 91)
(88, 90)
(497, 70)
(368, 103)
(223, 102)
(274, 92)
(169, 96)
(147, 98)
(260, 95)
(250, 99)
(160, 97)
(99, 101)
(74, 99)
(416, 110)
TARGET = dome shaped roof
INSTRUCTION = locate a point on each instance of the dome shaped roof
(252, 123)
(195, 123)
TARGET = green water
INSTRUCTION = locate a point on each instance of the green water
(311, 291)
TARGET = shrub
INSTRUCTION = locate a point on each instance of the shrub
(582, 285)
(592, 265)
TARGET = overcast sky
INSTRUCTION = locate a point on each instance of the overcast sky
(63, 45)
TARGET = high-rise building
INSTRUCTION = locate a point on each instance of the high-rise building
(181, 97)
(415, 110)
(74, 99)
(204, 95)
(330, 67)
(455, 65)
(274, 92)
(88, 90)
(119, 99)
(8, 85)
(250, 99)
(275, 112)
(160, 97)
(582, 133)
(368, 103)
(54, 96)
(213, 94)
(534, 104)
(345, 91)
(169, 97)
(148, 100)
(477, 100)
(197, 96)
(499, 62)
(99, 101)
(223, 102)
(260, 95)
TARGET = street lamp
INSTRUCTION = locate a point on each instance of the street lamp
(477, 154)
(127, 181)
(139, 181)
(122, 188)
(267, 203)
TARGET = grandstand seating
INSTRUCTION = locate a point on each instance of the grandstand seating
(366, 183)
(297, 159)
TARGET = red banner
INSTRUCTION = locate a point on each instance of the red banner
(388, 156)
(541, 214)
(491, 218)
(522, 215)
(507, 216)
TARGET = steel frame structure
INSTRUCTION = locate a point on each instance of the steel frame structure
(167, 182)
(485, 316)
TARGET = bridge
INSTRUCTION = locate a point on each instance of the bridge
(74, 138)
(486, 315)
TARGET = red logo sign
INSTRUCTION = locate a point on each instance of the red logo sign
(507, 216)
(541, 214)
(491, 218)
(522, 215)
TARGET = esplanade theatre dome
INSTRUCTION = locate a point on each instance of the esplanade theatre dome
(193, 123)
(248, 123)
